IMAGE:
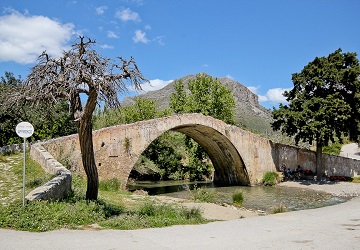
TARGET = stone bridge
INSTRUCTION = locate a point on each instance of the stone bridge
(238, 156)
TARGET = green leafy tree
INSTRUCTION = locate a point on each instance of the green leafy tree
(143, 109)
(83, 78)
(324, 103)
(207, 96)
(178, 99)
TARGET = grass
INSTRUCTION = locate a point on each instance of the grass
(271, 178)
(238, 198)
(115, 208)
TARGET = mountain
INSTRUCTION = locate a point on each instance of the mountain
(249, 114)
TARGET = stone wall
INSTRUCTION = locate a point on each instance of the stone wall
(333, 165)
(58, 187)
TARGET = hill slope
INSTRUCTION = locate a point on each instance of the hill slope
(248, 112)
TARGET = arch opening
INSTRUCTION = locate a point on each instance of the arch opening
(228, 164)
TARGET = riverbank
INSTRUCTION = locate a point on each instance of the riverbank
(228, 212)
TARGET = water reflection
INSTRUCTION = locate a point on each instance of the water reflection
(255, 198)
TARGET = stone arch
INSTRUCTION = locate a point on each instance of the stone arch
(229, 166)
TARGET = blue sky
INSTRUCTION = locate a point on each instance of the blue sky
(258, 43)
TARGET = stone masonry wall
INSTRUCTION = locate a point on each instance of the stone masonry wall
(59, 186)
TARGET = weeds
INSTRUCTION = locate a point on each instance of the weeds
(238, 198)
(151, 214)
(202, 194)
(109, 185)
(271, 178)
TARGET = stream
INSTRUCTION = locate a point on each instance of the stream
(259, 198)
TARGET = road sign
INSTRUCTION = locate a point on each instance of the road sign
(24, 129)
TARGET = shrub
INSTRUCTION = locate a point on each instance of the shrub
(238, 198)
(271, 178)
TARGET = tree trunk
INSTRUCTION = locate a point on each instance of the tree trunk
(88, 160)
(87, 149)
(319, 167)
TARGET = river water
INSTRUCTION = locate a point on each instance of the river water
(259, 198)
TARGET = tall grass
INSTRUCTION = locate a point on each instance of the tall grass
(238, 198)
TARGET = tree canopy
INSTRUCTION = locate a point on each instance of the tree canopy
(207, 96)
(324, 103)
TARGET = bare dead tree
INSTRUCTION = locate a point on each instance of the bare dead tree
(81, 71)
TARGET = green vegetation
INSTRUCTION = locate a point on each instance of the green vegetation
(207, 96)
(238, 198)
(115, 208)
(333, 148)
(109, 185)
(151, 214)
(271, 178)
(200, 194)
(49, 122)
(323, 104)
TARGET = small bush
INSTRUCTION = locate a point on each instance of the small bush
(271, 178)
(281, 208)
(238, 198)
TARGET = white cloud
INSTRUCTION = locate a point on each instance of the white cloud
(155, 85)
(140, 37)
(106, 46)
(111, 34)
(101, 10)
(23, 38)
(274, 95)
(128, 15)
(229, 77)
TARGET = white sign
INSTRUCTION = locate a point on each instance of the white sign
(24, 129)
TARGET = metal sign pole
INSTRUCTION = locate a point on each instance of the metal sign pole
(24, 130)
(23, 193)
